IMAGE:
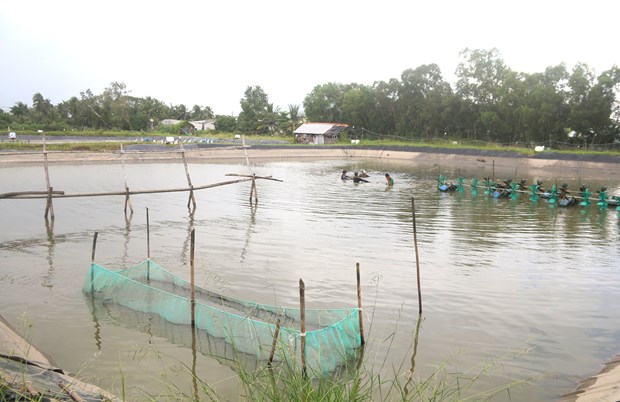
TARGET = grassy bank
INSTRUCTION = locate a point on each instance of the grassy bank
(283, 141)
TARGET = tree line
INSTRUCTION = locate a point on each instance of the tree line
(488, 102)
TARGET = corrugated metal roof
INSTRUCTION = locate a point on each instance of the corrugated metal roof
(317, 128)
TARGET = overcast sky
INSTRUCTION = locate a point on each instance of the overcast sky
(207, 52)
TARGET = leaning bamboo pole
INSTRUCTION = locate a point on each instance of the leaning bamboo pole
(192, 198)
(274, 343)
(92, 261)
(49, 206)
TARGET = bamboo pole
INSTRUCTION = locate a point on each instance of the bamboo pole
(417, 257)
(191, 262)
(245, 151)
(415, 351)
(127, 199)
(49, 207)
(254, 175)
(148, 246)
(20, 193)
(92, 256)
(493, 170)
(92, 262)
(194, 356)
(274, 343)
(359, 303)
(253, 190)
(302, 317)
(172, 190)
(192, 198)
(70, 391)
(31, 389)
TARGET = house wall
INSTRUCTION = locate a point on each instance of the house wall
(317, 139)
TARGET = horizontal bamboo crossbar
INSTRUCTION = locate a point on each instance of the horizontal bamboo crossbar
(61, 194)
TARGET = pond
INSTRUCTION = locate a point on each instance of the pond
(528, 285)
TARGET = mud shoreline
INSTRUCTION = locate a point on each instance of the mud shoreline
(571, 165)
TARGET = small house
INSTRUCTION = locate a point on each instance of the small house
(319, 133)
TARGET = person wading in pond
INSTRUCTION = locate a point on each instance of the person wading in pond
(357, 178)
(388, 180)
(345, 176)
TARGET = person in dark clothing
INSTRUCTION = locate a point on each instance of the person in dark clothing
(357, 178)
(345, 176)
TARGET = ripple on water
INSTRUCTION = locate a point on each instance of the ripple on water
(496, 275)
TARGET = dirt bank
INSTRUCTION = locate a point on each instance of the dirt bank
(584, 166)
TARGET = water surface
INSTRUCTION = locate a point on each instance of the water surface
(498, 276)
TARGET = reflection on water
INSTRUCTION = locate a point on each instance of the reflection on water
(496, 275)
(49, 229)
(415, 351)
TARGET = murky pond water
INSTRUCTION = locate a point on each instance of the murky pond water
(499, 277)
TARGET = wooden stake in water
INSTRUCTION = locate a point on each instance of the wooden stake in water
(92, 257)
(274, 343)
(127, 200)
(302, 317)
(493, 176)
(49, 207)
(191, 263)
(92, 261)
(417, 257)
(192, 198)
(359, 303)
(253, 189)
(148, 246)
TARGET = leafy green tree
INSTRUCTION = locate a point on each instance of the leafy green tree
(256, 111)
(358, 105)
(295, 119)
(225, 124)
(178, 112)
(89, 111)
(67, 111)
(480, 75)
(199, 113)
(115, 102)
(325, 103)
(42, 111)
(591, 104)
(421, 101)
(20, 111)
(544, 110)
(384, 115)
(5, 118)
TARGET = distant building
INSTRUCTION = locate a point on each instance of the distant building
(319, 133)
(203, 125)
(196, 125)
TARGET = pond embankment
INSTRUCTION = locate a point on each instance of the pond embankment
(585, 165)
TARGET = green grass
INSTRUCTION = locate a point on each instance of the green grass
(285, 382)
(287, 141)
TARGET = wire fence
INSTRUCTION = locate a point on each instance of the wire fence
(540, 146)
